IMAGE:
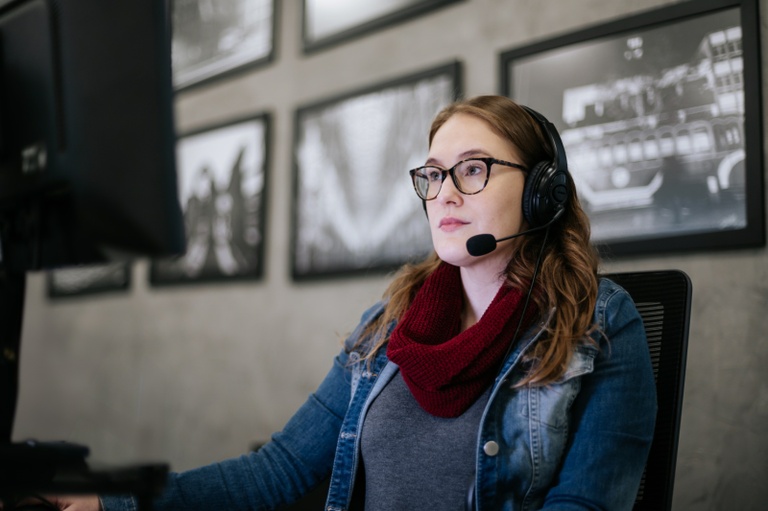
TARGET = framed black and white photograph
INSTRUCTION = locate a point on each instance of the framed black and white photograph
(222, 174)
(329, 22)
(660, 116)
(355, 210)
(88, 279)
(213, 38)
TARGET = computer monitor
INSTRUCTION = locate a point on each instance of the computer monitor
(87, 147)
(87, 166)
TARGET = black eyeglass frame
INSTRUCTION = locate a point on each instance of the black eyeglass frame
(489, 162)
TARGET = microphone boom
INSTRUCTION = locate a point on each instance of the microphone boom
(482, 244)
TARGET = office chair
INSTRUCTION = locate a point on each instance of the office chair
(663, 299)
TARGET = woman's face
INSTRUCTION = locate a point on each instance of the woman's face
(455, 217)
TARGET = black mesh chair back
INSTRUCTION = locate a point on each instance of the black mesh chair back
(663, 299)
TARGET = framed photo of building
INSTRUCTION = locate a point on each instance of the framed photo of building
(89, 279)
(660, 116)
(222, 174)
(354, 208)
(212, 39)
(326, 23)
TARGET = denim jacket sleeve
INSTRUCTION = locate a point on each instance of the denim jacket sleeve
(298, 458)
(613, 416)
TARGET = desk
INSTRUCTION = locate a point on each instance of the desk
(60, 468)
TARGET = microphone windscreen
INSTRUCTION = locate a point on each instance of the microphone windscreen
(481, 244)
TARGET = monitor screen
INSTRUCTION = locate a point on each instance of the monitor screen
(87, 166)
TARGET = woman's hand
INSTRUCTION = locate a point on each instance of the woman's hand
(75, 502)
(60, 502)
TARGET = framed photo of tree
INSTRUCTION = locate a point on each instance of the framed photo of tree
(354, 208)
(213, 39)
(328, 23)
(89, 279)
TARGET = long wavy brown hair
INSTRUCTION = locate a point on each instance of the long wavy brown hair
(566, 284)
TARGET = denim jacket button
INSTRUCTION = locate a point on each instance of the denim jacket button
(491, 448)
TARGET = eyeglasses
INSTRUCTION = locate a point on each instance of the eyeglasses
(469, 176)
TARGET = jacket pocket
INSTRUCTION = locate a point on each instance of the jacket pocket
(550, 405)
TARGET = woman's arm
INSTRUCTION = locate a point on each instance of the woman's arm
(297, 459)
(612, 419)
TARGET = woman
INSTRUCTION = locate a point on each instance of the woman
(511, 379)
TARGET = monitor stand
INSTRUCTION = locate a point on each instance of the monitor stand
(32, 468)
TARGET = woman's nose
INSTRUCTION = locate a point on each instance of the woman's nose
(448, 192)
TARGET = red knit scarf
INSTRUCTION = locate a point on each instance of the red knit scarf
(445, 368)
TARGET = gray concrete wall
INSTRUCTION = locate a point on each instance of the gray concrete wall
(195, 374)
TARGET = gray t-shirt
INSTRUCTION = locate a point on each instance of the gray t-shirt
(414, 460)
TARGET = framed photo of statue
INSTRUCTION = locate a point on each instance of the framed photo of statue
(222, 172)
(661, 119)
(354, 208)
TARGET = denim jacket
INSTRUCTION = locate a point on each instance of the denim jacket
(578, 444)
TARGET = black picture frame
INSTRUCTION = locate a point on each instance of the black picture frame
(325, 24)
(212, 40)
(354, 210)
(89, 279)
(223, 176)
(661, 117)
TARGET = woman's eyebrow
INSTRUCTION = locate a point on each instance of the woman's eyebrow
(463, 156)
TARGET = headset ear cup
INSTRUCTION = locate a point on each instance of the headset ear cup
(544, 194)
(531, 188)
(548, 184)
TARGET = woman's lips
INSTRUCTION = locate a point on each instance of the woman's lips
(450, 224)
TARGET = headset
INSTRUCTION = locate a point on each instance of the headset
(547, 185)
